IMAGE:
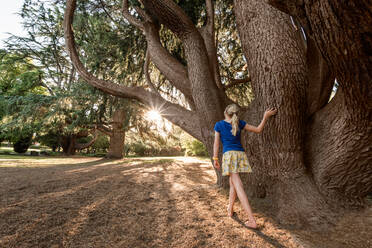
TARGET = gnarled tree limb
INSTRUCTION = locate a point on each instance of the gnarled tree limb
(175, 113)
(105, 130)
(169, 66)
(234, 82)
(210, 15)
(80, 146)
(131, 19)
(208, 34)
(147, 74)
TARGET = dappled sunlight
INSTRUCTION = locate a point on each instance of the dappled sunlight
(178, 186)
(75, 225)
(117, 203)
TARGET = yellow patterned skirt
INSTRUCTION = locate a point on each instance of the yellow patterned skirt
(235, 162)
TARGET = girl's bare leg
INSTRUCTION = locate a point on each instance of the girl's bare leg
(238, 185)
(232, 198)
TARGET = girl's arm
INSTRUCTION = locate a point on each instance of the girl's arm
(259, 128)
(216, 146)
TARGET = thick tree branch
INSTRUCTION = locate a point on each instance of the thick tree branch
(131, 19)
(169, 13)
(169, 66)
(80, 146)
(174, 113)
(209, 37)
(293, 8)
(342, 167)
(210, 15)
(147, 74)
(104, 130)
(204, 90)
(234, 82)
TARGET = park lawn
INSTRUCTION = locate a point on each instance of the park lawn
(142, 202)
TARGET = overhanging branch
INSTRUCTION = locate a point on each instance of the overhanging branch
(210, 16)
(234, 82)
(169, 66)
(131, 19)
(147, 74)
(174, 113)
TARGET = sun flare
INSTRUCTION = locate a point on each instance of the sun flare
(154, 115)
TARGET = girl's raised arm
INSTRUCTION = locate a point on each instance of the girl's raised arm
(259, 128)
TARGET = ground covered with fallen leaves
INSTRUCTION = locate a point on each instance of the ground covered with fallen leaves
(142, 202)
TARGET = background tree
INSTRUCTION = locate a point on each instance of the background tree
(72, 107)
(20, 84)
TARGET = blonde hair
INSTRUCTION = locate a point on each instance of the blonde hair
(232, 110)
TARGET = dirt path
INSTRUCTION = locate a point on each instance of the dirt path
(139, 202)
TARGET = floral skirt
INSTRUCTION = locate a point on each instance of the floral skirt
(235, 162)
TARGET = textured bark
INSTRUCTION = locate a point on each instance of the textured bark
(68, 145)
(338, 151)
(172, 69)
(341, 30)
(320, 78)
(278, 69)
(117, 135)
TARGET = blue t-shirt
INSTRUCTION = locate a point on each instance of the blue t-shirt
(229, 141)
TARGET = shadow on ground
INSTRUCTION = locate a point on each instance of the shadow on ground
(90, 202)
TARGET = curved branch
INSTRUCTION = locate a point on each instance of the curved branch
(175, 113)
(293, 8)
(81, 146)
(147, 74)
(203, 85)
(209, 37)
(169, 66)
(105, 130)
(129, 17)
(143, 14)
(210, 16)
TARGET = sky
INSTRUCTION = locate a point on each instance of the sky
(10, 22)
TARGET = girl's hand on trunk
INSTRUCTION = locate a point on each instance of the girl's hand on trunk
(270, 112)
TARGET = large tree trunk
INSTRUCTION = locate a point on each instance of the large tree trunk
(208, 99)
(293, 161)
(341, 30)
(117, 135)
(277, 65)
(68, 145)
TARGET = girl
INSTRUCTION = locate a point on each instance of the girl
(234, 159)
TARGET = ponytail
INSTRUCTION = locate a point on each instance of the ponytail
(234, 124)
(232, 111)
